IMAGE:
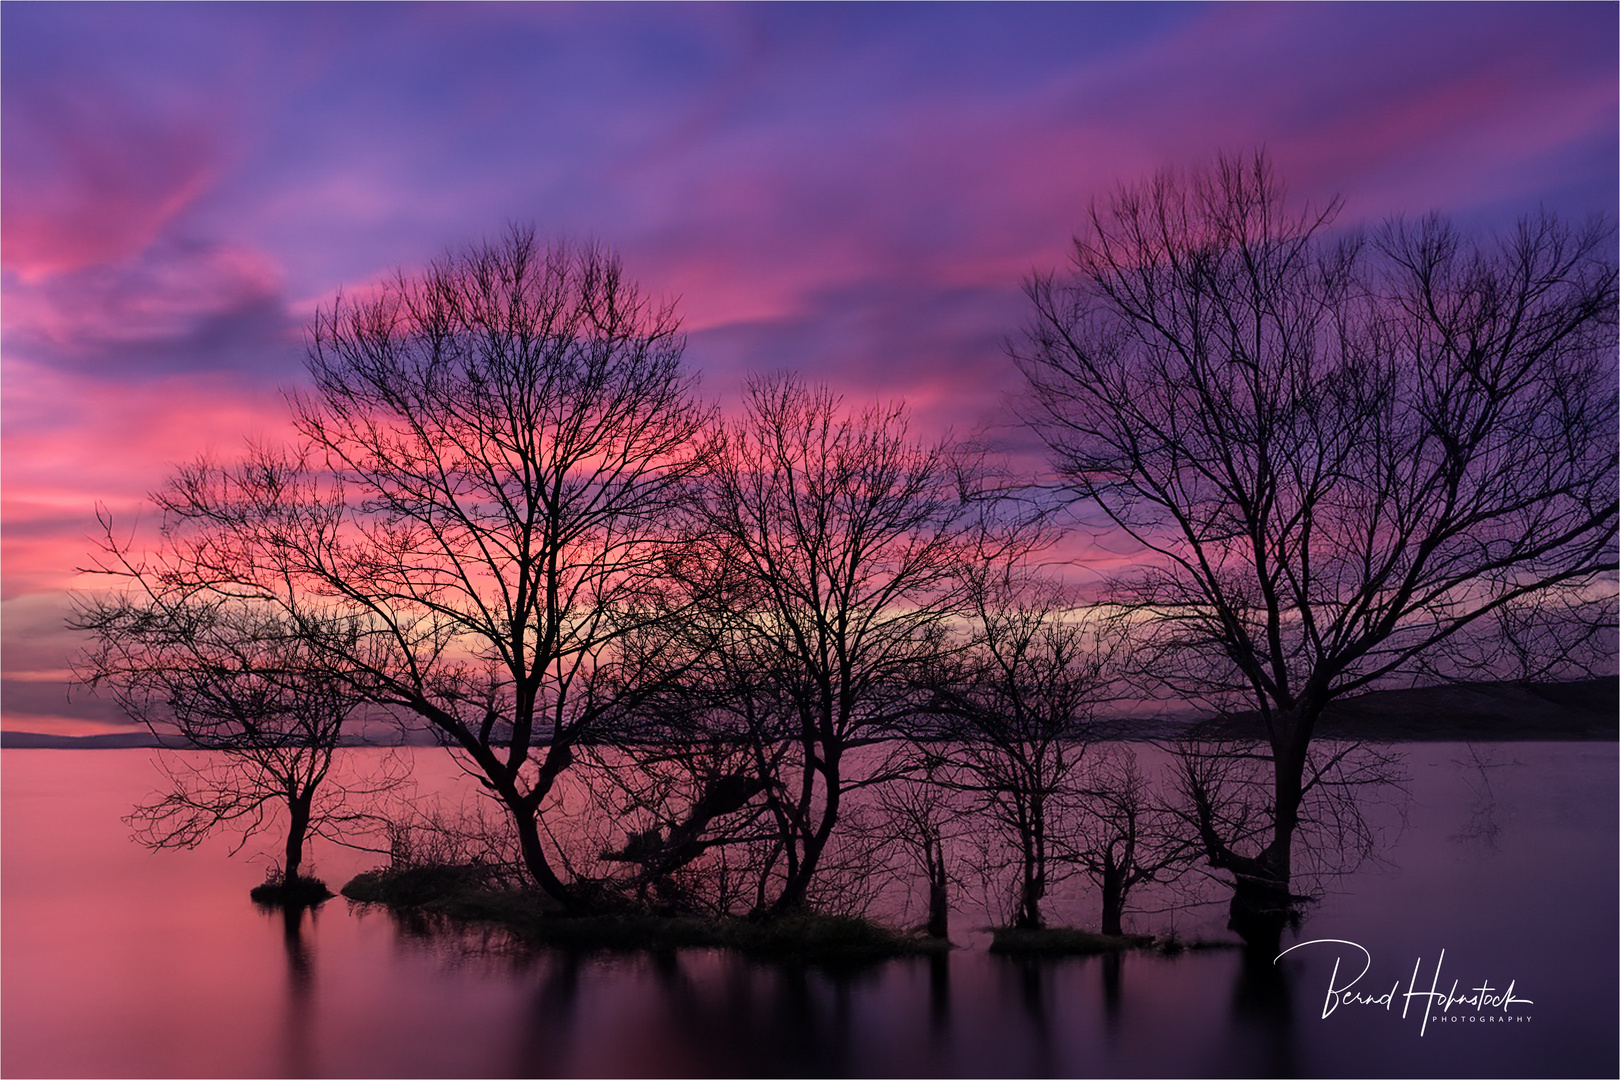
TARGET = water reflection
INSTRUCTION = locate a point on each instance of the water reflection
(1112, 966)
(1263, 1017)
(298, 1051)
(698, 1014)
(939, 991)
(1482, 826)
(668, 1012)
(300, 1060)
(552, 1019)
(1032, 979)
(172, 974)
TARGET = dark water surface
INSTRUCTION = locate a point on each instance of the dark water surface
(116, 962)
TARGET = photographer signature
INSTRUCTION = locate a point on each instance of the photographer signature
(1484, 998)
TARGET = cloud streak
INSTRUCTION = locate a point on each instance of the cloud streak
(852, 191)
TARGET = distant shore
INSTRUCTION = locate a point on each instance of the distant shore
(1586, 710)
(138, 740)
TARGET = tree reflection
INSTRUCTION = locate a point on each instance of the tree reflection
(1263, 1018)
(1034, 976)
(298, 1056)
(709, 1012)
(1482, 826)
(939, 991)
(546, 1042)
(1112, 967)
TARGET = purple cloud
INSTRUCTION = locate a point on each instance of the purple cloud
(854, 191)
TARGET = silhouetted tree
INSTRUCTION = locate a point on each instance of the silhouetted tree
(689, 811)
(920, 820)
(1126, 837)
(1226, 787)
(488, 486)
(846, 540)
(681, 792)
(1343, 460)
(1013, 714)
(258, 691)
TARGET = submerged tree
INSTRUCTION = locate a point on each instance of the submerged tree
(1225, 791)
(1344, 460)
(240, 681)
(843, 540)
(920, 821)
(1127, 836)
(1013, 714)
(487, 489)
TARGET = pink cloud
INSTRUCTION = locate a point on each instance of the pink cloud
(86, 444)
(852, 192)
(156, 295)
(83, 444)
(1409, 113)
(76, 197)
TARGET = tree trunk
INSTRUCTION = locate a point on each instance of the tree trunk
(939, 908)
(1113, 900)
(1263, 903)
(939, 911)
(1033, 889)
(798, 884)
(797, 887)
(297, 828)
(534, 859)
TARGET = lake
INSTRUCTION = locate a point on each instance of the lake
(119, 962)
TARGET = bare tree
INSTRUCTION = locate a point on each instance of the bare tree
(489, 486)
(1226, 787)
(921, 822)
(1342, 460)
(1014, 714)
(1127, 837)
(845, 538)
(240, 681)
(688, 809)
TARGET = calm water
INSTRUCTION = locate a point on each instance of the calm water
(117, 962)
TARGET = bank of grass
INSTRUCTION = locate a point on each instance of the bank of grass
(462, 894)
(1062, 941)
(291, 892)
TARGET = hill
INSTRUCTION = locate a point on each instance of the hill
(1587, 709)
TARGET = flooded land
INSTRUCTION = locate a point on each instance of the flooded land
(1496, 870)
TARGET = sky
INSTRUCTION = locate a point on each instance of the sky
(852, 191)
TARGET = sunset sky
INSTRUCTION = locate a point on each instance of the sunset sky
(852, 191)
